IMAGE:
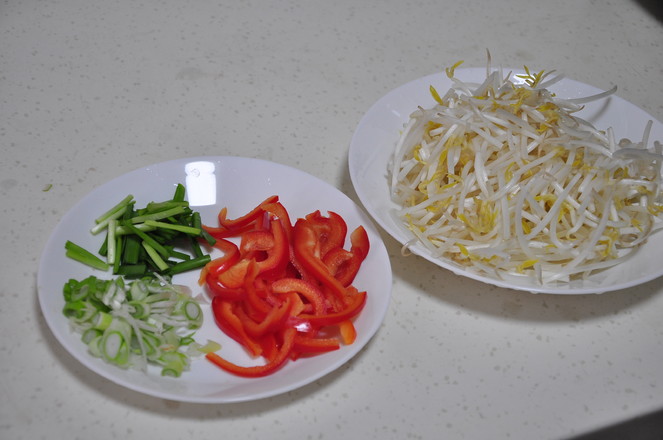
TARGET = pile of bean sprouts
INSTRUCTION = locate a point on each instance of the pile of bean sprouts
(504, 180)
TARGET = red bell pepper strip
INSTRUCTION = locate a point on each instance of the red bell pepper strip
(234, 276)
(218, 265)
(335, 258)
(305, 242)
(228, 321)
(277, 256)
(298, 306)
(255, 241)
(343, 264)
(277, 362)
(307, 344)
(273, 321)
(210, 273)
(359, 249)
(348, 331)
(216, 289)
(298, 268)
(277, 210)
(246, 219)
(338, 230)
(269, 348)
(331, 230)
(256, 297)
(307, 289)
(355, 305)
(221, 232)
(359, 242)
(273, 243)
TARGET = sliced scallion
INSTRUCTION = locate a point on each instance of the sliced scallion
(180, 192)
(185, 266)
(159, 215)
(170, 227)
(90, 334)
(132, 270)
(102, 320)
(121, 204)
(133, 324)
(111, 243)
(84, 256)
(154, 255)
(175, 227)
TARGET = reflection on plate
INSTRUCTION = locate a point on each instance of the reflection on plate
(213, 182)
(378, 131)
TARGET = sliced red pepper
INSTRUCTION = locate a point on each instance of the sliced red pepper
(275, 292)
(277, 256)
(355, 305)
(302, 325)
(348, 331)
(335, 259)
(305, 242)
(246, 219)
(333, 301)
(343, 264)
(307, 289)
(298, 268)
(331, 231)
(277, 362)
(298, 306)
(256, 241)
(257, 299)
(359, 242)
(210, 273)
(337, 232)
(229, 323)
(277, 210)
(221, 232)
(218, 265)
(234, 276)
(217, 290)
(307, 344)
(293, 268)
(273, 321)
(269, 348)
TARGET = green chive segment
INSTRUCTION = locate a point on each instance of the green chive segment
(164, 237)
(84, 256)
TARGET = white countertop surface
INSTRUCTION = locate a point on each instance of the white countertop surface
(90, 90)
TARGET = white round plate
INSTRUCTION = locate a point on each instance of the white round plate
(240, 184)
(378, 131)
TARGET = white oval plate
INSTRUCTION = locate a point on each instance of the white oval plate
(240, 184)
(378, 131)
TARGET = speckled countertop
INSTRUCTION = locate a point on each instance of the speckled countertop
(90, 90)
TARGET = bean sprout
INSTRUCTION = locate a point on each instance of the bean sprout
(503, 179)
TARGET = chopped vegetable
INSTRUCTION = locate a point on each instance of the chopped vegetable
(278, 294)
(162, 237)
(503, 179)
(77, 253)
(131, 325)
